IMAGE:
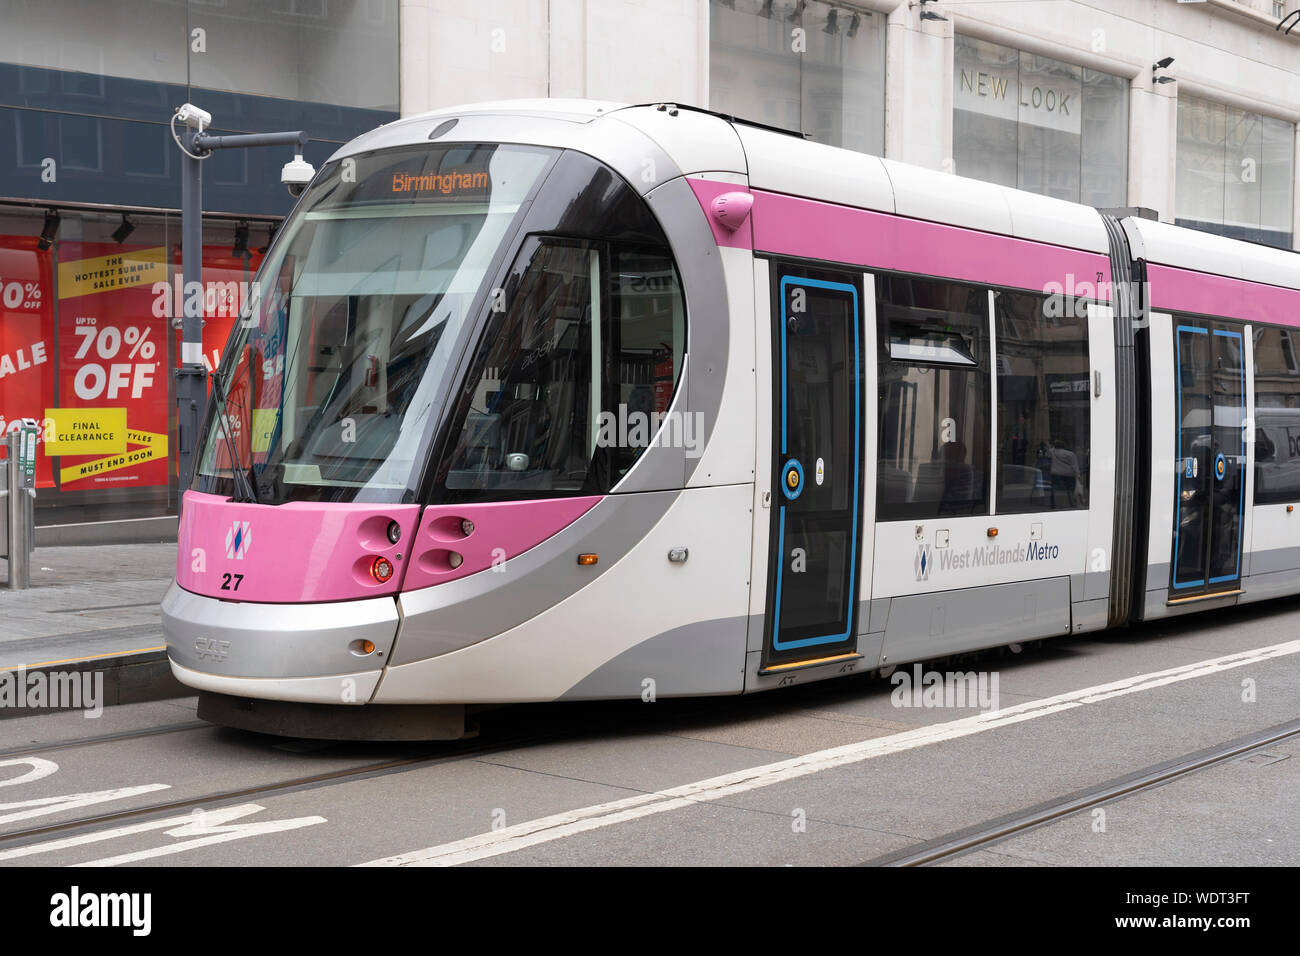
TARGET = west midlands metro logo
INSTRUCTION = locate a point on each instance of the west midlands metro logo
(238, 539)
(923, 562)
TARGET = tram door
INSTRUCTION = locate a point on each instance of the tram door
(1210, 486)
(816, 467)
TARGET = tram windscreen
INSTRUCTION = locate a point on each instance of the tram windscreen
(332, 371)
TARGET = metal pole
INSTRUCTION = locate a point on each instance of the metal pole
(239, 141)
(191, 377)
(191, 390)
(20, 569)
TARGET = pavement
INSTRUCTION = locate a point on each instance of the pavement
(93, 607)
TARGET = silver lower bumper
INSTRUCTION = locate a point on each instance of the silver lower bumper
(298, 652)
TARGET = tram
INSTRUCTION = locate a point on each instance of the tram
(569, 400)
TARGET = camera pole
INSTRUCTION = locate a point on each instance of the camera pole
(191, 377)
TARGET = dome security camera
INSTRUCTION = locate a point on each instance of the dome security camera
(296, 175)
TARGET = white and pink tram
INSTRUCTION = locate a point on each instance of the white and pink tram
(565, 400)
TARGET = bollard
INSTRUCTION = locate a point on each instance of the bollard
(19, 545)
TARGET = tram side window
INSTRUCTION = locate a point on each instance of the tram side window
(576, 367)
(647, 340)
(1044, 400)
(1277, 416)
(933, 399)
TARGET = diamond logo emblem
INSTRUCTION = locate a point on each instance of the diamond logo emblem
(238, 538)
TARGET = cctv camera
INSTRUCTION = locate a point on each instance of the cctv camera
(297, 175)
(191, 115)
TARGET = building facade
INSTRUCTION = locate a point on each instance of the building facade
(89, 206)
(1189, 109)
(1054, 96)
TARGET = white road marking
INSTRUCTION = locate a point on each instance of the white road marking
(207, 826)
(43, 806)
(560, 825)
(40, 768)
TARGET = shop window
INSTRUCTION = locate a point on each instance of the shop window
(1235, 172)
(817, 68)
(1035, 123)
(1044, 400)
(933, 399)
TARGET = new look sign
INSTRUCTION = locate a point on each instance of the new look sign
(1001, 82)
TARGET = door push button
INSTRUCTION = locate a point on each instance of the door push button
(792, 479)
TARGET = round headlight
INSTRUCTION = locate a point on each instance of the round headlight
(381, 569)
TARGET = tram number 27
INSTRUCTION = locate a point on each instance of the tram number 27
(226, 580)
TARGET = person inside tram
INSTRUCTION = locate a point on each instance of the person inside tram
(958, 479)
(1065, 475)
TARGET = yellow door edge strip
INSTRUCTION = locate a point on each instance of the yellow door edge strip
(793, 665)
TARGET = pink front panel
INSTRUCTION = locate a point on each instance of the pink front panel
(811, 229)
(1181, 290)
(502, 530)
(292, 553)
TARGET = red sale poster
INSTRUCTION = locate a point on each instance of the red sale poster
(112, 357)
(26, 341)
(227, 280)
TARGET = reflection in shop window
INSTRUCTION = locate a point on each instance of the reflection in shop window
(1235, 172)
(812, 67)
(1035, 123)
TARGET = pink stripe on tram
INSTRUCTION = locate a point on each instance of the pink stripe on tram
(1182, 290)
(812, 229)
(791, 226)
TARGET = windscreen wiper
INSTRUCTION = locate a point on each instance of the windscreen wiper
(244, 490)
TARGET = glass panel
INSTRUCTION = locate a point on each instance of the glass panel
(1049, 111)
(817, 68)
(843, 96)
(305, 50)
(646, 335)
(531, 426)
(1044, 399)
(1105, 140)
(1235, 172)
(1277, 417)
(753, 69)
(985, 111)
(1039, 124)
(1277, 177)
(1243, 154)
(817, 513)
(355, 316)
(79, 35)
(934, 419)
(1194, 458)
(1228, 467)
